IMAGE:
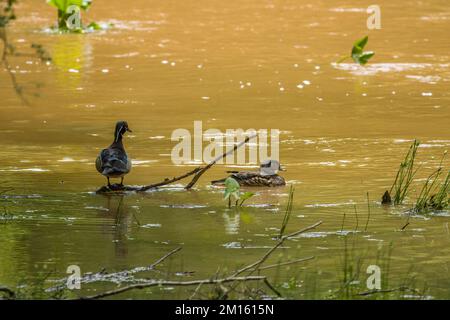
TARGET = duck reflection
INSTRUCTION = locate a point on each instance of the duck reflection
(122, 224)
(232, 221)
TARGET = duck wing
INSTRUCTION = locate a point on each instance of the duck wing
(113, 161)
(239, 176)
(255, 179)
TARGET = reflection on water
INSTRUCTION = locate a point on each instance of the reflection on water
(118, 212)
(232, 221)
(71, 57)
(253, 64)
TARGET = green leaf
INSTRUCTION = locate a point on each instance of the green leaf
(358, 55)
(247, 195)
(231, 184)
(232, 188)
(94, 26)
(364, 58)
(361, 43)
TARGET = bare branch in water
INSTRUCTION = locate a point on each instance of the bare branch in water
(217, 281)
(160, 260)
(203, 170)
(255, 266)
(367, 293)
(104, 276)
(199, 171)
(174, 283)
(234, 278)
(286, 263)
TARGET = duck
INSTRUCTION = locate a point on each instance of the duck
(267, 176)
(113, 162)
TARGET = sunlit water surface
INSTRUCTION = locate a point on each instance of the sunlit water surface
(231, 64)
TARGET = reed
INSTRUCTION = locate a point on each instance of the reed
(440, 200)
(434, 196)
(405, 175)
(288, 212)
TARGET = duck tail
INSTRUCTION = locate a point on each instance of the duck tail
(114, 166)
(108, 170)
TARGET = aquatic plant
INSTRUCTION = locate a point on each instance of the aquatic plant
(245, 196)
(233, 190)
(432, 196)
(404, 177)
(288, 211)
(357, 54)
(69, 17)
(440, 200)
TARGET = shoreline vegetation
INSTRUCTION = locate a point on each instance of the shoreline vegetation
(434, 192)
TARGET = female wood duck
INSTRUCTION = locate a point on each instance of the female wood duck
(113, 161)
(266, 176)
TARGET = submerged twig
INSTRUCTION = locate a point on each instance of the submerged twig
(124, 274)
(173, 283)
(366, 293)
(288, 212)
(233, 278)
(286, 263)
(368, 212)
(343, 222)
(255, 266)
(160, 260)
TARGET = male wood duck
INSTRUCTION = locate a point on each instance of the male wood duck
(113, 161)
(266, 176)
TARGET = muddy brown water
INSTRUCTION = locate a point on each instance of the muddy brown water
(234, 64)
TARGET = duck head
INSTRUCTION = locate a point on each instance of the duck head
(121, 128)
(270, 167)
